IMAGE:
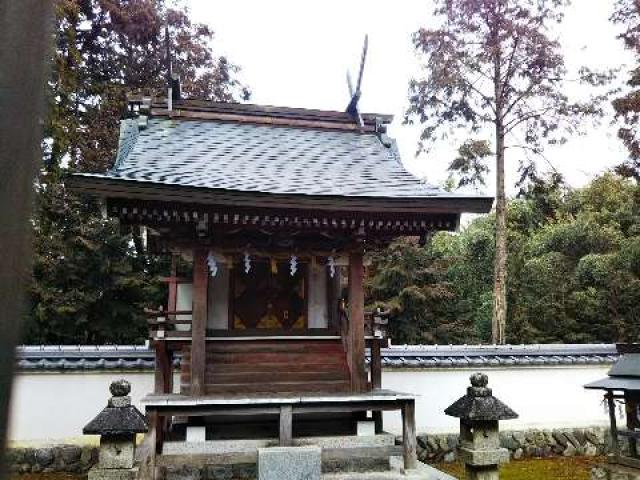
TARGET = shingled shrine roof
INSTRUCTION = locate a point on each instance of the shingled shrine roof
(268, 150)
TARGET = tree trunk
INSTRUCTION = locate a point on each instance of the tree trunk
(498, 320)
(500, 268)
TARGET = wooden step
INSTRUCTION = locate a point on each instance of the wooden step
(231, 378)
(281, 357)
(260, 377)
(283, 346)
(281, 387)
(270, 368)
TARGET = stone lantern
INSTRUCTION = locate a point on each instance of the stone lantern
(622, 389)
(117, 426)
(479, 413)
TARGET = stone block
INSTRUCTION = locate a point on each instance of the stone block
(116, 452)
(217, 472)
(43, 457)
(453, 441)
(182, 472)
(507, 441)
(591, 436)
(484, 457)
(196, 433)
(292, 463)
(69, 454)
(244, 471)
(590, 450)
(580, 436)
(366, 428)
(88, 457)
(572, 439)
(520, 438)
(569, 451)
(560, 438)
(432, 444)
(112, 474)
(357, 464)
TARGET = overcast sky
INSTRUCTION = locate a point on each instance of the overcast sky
(296, 53)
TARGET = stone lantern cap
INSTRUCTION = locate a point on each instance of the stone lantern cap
(119, 417)
(479, 404)
(625, 373)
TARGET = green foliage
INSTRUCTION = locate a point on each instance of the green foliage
(470, 165)
(90, 286)
(406, 279)
(91, 277)
(574, 270)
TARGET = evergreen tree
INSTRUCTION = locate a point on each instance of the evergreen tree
(493, 64)
(91, 277)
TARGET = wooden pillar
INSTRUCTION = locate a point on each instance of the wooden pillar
(376, 379)
(199, 321)
(409, 435)
(612, 420)
(376, 364)
(286, 425)
(164, 357)
(631, 401)
(355, 340)
(164, 368)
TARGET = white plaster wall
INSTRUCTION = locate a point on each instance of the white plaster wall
(549, 397)
(217, 301)
(53, 407)
(318, 313)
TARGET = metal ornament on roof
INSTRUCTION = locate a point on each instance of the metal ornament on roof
(213, 265)
(331, 263)
(356, 93)
(293, 265)
(247, 262)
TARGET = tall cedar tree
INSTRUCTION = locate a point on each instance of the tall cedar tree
(627, 107)
(493, 63)
(91, 279)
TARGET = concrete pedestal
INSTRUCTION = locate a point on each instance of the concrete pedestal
(291, 463)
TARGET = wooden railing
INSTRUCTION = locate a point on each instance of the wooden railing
(376, 322)
(163, 321)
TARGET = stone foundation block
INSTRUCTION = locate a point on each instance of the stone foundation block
(292, 463)
(112, 474)
(366, 428)
(116, 453)
(484, 457)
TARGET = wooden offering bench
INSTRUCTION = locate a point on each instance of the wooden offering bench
(287, 407)
(269, 216)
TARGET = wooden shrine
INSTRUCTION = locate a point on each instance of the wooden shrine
(268, 214)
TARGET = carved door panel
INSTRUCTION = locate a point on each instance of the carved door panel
(269, 297)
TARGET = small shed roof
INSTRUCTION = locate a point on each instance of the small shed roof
(624, 375)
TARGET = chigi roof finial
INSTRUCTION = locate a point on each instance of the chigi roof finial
(173, 81)
(352, 108)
